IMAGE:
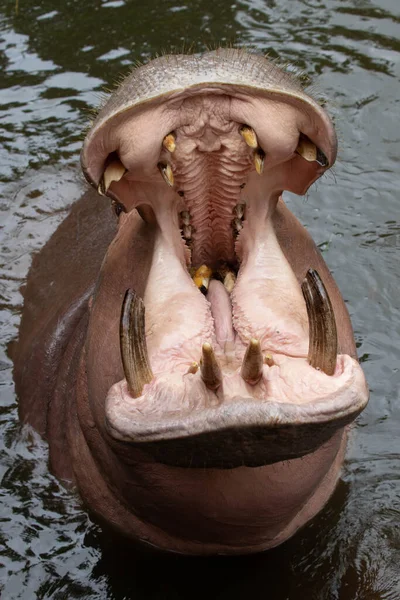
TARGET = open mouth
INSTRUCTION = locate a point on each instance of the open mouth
(230, 357)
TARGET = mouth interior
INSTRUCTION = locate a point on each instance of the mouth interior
(226, 322)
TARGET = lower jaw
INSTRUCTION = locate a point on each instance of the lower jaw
(217, 513)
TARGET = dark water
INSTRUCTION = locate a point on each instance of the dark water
(55, 58)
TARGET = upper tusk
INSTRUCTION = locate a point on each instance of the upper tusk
(322, 351)
(307, 149)
(252, 366)
(135, 359)
(114, 171)
(310, 152)
(166, 172)
(210, 370)
(249, 136)
(169, 142)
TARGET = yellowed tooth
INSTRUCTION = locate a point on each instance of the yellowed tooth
(259, 156)
(166, 172)
(169, 142)
(268, 360)
(249, 136)
(210, 369)
(201, 278)
(194, 367)
(252, 366)
(229, 281)
(307, 149)
(114, 171)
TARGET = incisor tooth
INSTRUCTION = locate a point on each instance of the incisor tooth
(259, 157)
(252, 366)
(166, 172)
(194, 367)
(210, 370)
(169, 142)
(114, 171)
(249, 136)
(307, 149)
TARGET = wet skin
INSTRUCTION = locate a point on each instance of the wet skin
(197, 413)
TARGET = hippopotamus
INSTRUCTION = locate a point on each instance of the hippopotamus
(183, 347)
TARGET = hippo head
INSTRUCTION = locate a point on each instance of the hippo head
(218, 371)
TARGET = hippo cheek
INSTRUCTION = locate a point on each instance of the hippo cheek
(205, 348)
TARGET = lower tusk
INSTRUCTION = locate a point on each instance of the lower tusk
(114, 171)
(252, 366)
(135, 359)
(209, 367)
(322, 351)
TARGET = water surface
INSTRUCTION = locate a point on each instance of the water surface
(56, 59)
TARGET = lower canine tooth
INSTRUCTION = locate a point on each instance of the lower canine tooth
(210, 370)
(322, 351)
(133, 344)
(166, 172)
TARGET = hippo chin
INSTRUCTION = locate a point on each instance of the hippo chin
(190, 360)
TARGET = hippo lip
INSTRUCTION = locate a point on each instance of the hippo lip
(220, 380)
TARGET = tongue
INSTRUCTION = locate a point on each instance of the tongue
(221, 310)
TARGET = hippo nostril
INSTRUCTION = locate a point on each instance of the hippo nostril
(166, 172)
(169, 142)
(323, 336)
(114, 170)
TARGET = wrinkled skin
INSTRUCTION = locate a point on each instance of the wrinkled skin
(190, 463)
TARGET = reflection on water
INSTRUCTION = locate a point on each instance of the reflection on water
(55, 61)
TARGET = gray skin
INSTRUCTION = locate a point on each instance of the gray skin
(232, 470)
